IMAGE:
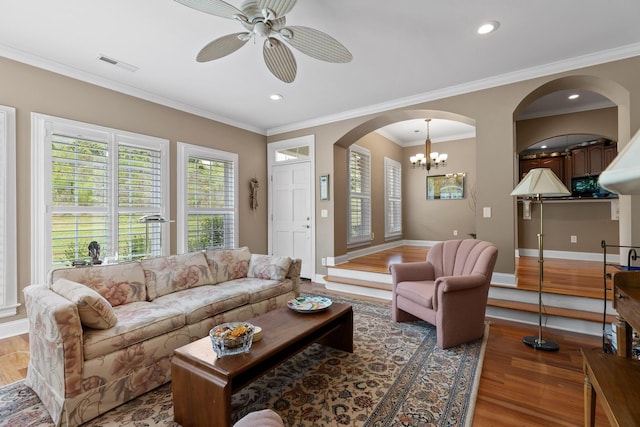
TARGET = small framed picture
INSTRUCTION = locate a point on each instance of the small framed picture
(324, 187)
(449, 186)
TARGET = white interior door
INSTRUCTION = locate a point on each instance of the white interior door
(292, 220)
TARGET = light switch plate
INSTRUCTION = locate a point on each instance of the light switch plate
(486, 212)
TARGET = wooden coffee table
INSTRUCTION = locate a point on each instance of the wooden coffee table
(202, 383)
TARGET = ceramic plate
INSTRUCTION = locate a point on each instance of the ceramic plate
(311, 304)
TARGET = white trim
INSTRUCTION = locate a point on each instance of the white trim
(494, 81)
(300, 141)
(8, 222)
(184, 150)
(11, 329)
(579, 256)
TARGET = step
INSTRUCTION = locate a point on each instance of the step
(588, 316)
(358, 282)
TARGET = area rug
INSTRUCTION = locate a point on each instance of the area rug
(396, 376)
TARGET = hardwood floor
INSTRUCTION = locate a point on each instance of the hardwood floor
(519, 386)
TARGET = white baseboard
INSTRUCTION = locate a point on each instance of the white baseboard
(17, 327)
(578, 256)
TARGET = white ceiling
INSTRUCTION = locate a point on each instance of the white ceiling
(403, 52)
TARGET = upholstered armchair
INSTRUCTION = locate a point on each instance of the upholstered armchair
(448, 290)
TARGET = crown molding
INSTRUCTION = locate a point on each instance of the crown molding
(495, 81)
(56, 67)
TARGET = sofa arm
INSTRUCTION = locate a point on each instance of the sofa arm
(294, 274)
(411, 272)
(55, 340)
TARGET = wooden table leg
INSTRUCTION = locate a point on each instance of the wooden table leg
(200, 399)
(341, 338)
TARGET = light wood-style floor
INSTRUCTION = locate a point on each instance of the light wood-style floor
(519, 386)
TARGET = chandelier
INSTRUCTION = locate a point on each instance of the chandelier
(429, 159)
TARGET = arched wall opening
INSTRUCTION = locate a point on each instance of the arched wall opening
(422, 219)
(574, 225)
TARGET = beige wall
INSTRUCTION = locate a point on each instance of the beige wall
(493, 112)
(435, 220)
(30, 89)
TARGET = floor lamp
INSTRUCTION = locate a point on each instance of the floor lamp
(539, 183)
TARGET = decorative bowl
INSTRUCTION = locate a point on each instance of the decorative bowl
(232, 338)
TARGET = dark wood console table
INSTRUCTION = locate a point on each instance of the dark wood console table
(615, 379)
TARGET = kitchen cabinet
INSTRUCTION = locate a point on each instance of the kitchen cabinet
(556, 164)
(591, 160)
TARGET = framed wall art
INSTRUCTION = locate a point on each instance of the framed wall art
(324, 187)
(449, 186)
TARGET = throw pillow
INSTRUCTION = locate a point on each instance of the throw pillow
(94, 310)
(269, 267)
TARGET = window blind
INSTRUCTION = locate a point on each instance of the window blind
(210, 203)
(393, 198)
(359, 217)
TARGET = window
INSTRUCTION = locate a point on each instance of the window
(94, 184)
(208, 210)
(8, 262)
(392, 198)
(359, 216)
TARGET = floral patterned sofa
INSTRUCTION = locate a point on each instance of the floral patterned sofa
(102, 335)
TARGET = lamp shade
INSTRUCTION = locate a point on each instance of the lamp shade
(623, 174)
(541, 182)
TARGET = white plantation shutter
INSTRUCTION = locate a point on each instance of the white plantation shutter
(80, 197)
(210, 187)
(139, 193)
(359, 215)
(392, 198)
(93, 184)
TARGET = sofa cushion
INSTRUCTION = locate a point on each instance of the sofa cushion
(228, 264)
(421, 292)
(168, 274)
(117, 283)
(205, 301)
(269, 267)
(137, 322)
(261, 289)
(94, 310)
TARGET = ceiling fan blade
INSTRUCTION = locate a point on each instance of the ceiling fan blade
(316, 44)
(279, 60)
(213, 7)
(279, 7)
(222, 46)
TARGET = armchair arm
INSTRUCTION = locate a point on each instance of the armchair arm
(294, 274)
(448, 284)
(55, 340)
(411, 271)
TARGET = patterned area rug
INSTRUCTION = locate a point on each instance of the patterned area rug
(397, 376)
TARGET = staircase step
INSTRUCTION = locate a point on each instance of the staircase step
(588, 316)
(358, 282)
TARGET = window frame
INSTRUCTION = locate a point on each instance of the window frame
(390, 164)
(8, 215)
(184, 152)
(43, 127)
(363, 238)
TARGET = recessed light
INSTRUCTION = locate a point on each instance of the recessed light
(488, 27)
(543, 147)
(574, 96)
(276, 97)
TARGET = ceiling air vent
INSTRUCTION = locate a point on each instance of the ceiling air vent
(117, 63)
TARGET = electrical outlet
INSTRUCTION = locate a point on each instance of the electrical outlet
(455, 232)
(373, 235)
(574, 239)
(323, 261)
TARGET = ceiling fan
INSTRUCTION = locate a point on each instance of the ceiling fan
(266, 19)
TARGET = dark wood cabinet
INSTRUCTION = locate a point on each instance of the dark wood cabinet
(591, 160)
(556, 164)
